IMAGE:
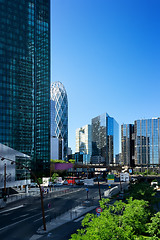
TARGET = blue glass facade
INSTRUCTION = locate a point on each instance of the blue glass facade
(147, 141)
(105, 139)
(25, 78)
(59, 114)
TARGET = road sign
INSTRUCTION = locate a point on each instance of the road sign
(87, 189)
(98, 214)
(98, 209)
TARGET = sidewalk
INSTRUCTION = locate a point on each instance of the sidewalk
(69, 216)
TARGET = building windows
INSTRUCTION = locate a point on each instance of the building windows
(22, 51)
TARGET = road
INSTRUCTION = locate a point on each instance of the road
(65, 231)
(21, 220)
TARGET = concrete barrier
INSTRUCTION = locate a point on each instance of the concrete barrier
(2, 203)
(115, 190)
(112, 191)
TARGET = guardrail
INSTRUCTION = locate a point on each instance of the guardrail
(54, 193)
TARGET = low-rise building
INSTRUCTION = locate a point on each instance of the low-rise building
(12, 174)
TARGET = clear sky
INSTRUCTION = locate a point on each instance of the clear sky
(107, 55)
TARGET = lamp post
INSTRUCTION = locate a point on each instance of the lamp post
(41, 194)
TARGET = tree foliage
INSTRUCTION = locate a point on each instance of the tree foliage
(143, 191)
(54, 177)
(130, 220)
(72, 160)
(40, 180)
(154, 226)
(121, 220)
(57, 161)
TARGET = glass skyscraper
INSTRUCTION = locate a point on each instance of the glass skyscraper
(84, 142)
(127, 144)
(105, 139)
(59, 116)
(25, 78)
(147, 141)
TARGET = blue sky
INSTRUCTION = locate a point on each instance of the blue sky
(107, 55)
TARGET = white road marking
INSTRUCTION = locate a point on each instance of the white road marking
(5, 214)
(11, 225)
(12, 209)
(21, 216)
(79, 219)
(41, 218)
(31, 209)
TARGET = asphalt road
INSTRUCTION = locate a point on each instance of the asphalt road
(22, 219)
(65, 231)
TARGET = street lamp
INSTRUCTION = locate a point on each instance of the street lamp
(41, 194)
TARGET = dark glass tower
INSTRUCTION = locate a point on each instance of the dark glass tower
(105, 139)
(127, 144)
(25, 78)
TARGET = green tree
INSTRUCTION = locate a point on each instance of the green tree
(40, 180)
(154, 226)
(143, 191)
(72, 160)
(57, 161)
(124, 221)
(54, 177)
(135, 215)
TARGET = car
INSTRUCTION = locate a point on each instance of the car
(65, 183)
(50, 184)
(80, 182)
(33, 184)
(95, 179)
(58, 184)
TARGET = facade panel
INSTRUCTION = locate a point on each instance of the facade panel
(25, 79)
(84, 142)
(105, 139)
(147, 143)
(127, 145)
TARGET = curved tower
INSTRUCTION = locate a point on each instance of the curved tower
(59, 115)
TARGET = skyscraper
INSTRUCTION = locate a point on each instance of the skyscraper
(59, 119)
(25, 78)
(105, 139)
(84, 142)
(147, 141)
(127, 144)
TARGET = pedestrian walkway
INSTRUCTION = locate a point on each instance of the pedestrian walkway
(71, 215)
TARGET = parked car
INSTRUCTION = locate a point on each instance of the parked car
(65, 182)
(50, 184)
(58, 184)
(33, 184)
(80, 182)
